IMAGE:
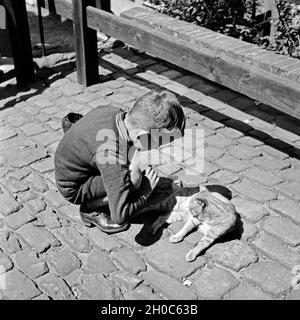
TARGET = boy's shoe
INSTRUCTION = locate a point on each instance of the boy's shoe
(101, 221)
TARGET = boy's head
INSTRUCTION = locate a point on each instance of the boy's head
(157, 110)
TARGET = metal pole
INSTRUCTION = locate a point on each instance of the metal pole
(41, 28)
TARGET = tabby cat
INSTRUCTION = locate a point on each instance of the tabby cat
(210, 212)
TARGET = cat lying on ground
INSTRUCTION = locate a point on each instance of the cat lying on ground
(210, 212)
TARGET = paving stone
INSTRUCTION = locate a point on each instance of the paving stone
(235, 254)
(262, 177)
(284, 229)
(9, 243)
(219, 141)
(231, 133)
(7, 133)
(5, 263)
(277, 250)
(18, 219)
(287, 208)
(211, 124)
(44, 166)
(46, 138)
(19, 174)
(63, 261)
(70, 212)
(169, 169)
(41, 297)
(26, 196)
(143, 293)
(16, 120)
(244, 152)
(103, 240)
(170, 288)
(38, 238)
(31, 129)
(100, 288)
(169, 258)
(247, 292)
(270, 163)
(8, 204)
(232, 164)
(250, 141)
(99, 262)
(127, 259)
(291, 174)
(19, 286)
(27, 156)
(225, 177)
(54, 198)
(36, 183)
(36, 205)
(49, 219)
(273, 152)
(270, 277)
(253, 190)
(75, 240)
(125, 279)
(294, 295)
(31, 264)
(55, 287)
(250, 210)
(291, 190)
(211, 153)
(44, 103)
(214, 283)
(249, 231)
(15, 185)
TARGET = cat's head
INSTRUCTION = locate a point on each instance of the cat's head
(204, 200)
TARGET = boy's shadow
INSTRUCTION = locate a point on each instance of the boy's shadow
(163, 190)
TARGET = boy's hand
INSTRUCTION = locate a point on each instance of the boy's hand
(152, 181)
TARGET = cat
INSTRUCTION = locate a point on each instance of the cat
(209, 212)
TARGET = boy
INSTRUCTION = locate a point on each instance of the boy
(92, 166)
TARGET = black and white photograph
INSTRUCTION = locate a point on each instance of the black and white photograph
(149, 154)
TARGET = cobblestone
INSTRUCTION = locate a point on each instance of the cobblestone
(14, 185)
(8, 204)
(270, 277)
(262, 177)
(287, 208)
(143, 293)
(247, 292)
(63, 261)
(128, 281)
(127, 259)
(18, 219)
(99, 263)
(38, 238)
(75, 240)
(214, 283)
(9, 243)
(270, 163)
(283, 229)
(29, 262)
(277, 250)
(235, 254)
(169, 287)
(232, 164)
(5, 263)
(291, 190)
(169, 258)
(244, 152)
(251, 211)
(31, 129)
(36, 205)
(19, 287)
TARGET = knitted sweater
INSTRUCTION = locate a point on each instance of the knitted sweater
(97, 138)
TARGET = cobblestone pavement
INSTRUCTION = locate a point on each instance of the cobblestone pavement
(251, 149)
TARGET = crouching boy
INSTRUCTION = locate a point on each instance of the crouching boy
(92, 167)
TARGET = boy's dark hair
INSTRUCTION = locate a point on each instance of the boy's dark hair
(158, 110)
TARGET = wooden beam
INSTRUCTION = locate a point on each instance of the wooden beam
(250, 80)
(85, 44)
(18, 29)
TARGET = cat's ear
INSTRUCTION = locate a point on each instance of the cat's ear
(202, 188)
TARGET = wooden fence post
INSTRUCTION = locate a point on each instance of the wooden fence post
(18, 29)
(85, 44)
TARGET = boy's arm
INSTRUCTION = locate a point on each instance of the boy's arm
(124, 201)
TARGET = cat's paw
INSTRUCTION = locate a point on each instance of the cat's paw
(175, 239)
(190, 256)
